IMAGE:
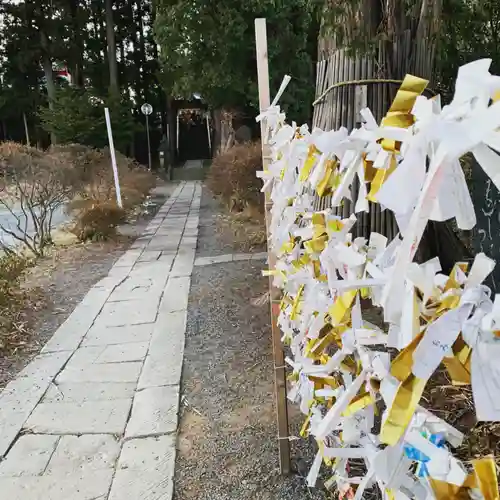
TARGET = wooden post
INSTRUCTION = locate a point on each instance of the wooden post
(279, 358)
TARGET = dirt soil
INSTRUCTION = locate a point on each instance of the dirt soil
(227, 441)
(62, 279)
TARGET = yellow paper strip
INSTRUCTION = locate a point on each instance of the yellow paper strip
(340, 307)
(401, 412)
(486, 475)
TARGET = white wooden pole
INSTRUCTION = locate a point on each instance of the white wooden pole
(262, 76)
(149, 143)
(113, 158)
(178, 132)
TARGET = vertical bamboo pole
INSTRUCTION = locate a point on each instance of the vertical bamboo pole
(279, 358)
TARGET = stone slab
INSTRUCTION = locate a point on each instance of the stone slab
(93, 417)
(149, 256)
(122, 353)
(139, 245)
(80, 392)
(190, 238)
(29, 456)
(189, 241)
(20, 396)
(103, 335)
(93, 485)
(128, 259)
(130, 312)
(77, 454)
(148, 453)
(164, 244)
(183, 264)
(154, 412)
(120, 272)
(172, 226)
(32, 382)
(241, 256)
(11, 423)
(161, 372)
(116, 353)
(176, 295)
(259, 256)
(187, 252)
(98, 291)
(155, 270)
(167, 258)
(145, 469)
(139, 289)
(171, 229)
(169, 330)
(69, 335)
(163, 365)
(218, 259)
(143, 239)
(112, 372)
(191, 232)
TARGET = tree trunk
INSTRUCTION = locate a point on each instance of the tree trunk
(110, 36)
(77, 53)
(122, 53)
(224, 131)
(142, 48)
(49, 77)
(136, 56)
(162, 99)
(171, 131)
(99, 17)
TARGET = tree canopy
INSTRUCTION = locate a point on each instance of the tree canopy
(39, 35)
(470, 31)
(208, 47)
(176, 48)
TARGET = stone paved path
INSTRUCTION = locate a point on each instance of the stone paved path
(94, 415)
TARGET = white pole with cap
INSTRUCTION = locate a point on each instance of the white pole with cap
(147, 109)
(113, 158)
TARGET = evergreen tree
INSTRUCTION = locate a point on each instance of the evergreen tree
(208, 47)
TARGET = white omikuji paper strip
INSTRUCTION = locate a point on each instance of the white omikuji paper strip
(428, 184)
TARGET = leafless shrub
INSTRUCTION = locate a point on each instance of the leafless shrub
(13, 300)
(232, 177)
(95, 212)
(33, 186)
(94, 174)
(98, 221)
